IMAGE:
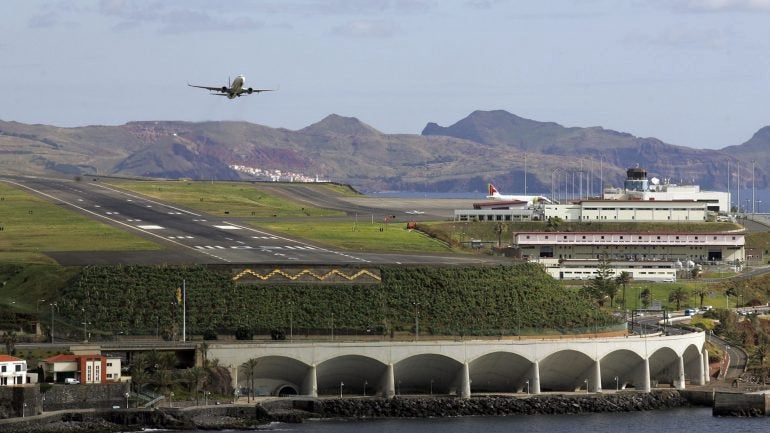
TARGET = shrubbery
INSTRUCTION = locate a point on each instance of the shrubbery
(501, 300)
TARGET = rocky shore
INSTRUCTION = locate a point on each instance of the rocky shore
(296, 410)
(496, 405)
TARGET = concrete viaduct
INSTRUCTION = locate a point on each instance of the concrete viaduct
(464, 367)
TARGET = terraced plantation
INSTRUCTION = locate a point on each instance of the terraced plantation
(492, 301)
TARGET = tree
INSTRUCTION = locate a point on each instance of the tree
(196, 378)
(553, 224)
(244, 333)
(678, 295)
(645, 296)
(623, 279)
(250, 368)
(604, 283)
(701, 293)
(139, 375)
(9, 339)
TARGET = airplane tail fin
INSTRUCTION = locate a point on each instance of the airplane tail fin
(491, 189)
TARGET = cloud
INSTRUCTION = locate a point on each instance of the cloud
(682, 37)
(174, 16)
(484, 4)
(366, 29)
(54, 14)
(724, 5)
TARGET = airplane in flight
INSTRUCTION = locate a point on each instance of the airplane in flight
(234, 89)
(530, 199)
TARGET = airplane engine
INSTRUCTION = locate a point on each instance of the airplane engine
(224, 89)
(250, 90)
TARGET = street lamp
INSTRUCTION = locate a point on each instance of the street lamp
(53, 305)
(127, 396)
(586, 382)
(291, 321)
(616, 383)
(206, 397)
(171, 398)
(416, 320)
(85, 326)
(341, 385)
(553, 172)
(23, 410)
(365, 383)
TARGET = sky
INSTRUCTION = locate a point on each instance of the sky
(689, 72)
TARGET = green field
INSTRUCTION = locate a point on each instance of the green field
(236, 199)
(32, 226)
(361, 236)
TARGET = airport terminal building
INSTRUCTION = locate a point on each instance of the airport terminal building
(651, 256)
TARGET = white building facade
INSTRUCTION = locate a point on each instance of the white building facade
(13, 370)
(697, 247)
(628, 210)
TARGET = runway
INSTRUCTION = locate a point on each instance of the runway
(190, 237)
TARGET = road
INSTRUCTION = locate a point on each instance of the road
(193, 237)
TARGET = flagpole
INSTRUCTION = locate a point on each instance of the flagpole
(184, 311)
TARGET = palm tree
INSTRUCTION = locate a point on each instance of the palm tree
(678, 295)
(139, 366)
(701, 293)
(250, 368)
(623, 279)
(196, 378)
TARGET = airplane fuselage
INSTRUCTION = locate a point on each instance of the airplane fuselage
(236, 88)
(233, 89)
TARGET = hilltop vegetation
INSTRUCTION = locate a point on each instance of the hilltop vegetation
(484, 146)
(449, 301)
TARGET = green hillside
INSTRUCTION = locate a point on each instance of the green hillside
(138, 300)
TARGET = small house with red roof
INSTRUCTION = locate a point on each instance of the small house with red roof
(85, 368)
(13, 370)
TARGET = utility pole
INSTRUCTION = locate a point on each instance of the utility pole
(184, 311)
(753, 201)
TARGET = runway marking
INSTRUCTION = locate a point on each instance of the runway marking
(110, 219)
(151, 227)
(175, 213)
(199, 220)
(227, 227)
(180, 237)
(113, 213)
(133, 220)
(264, 237)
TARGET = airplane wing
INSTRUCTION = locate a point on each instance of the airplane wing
(213, 89)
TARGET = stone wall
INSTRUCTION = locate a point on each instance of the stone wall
(14, 398)
(61, 397)
(739, 404)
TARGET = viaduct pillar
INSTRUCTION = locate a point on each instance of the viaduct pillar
(310, 384)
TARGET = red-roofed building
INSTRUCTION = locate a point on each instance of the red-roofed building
(13, 370)
(91, 368)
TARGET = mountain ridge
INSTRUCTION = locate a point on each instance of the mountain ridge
(485, 146)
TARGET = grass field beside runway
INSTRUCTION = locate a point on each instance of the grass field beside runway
(235, 199)
(360, 236)
(30, 226)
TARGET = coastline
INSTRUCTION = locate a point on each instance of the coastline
(294, 410)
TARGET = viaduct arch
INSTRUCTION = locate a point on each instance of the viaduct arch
(465, 367)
